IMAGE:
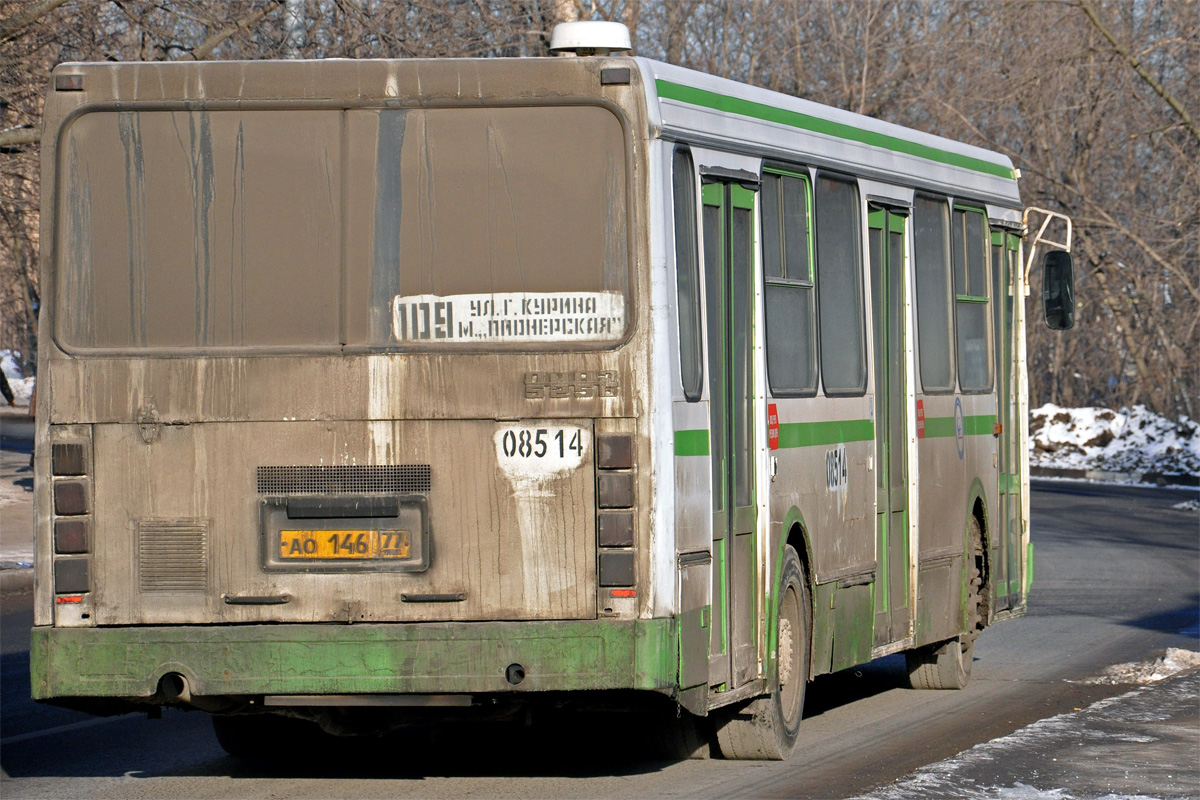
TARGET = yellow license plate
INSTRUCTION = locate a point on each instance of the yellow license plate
(336, 545)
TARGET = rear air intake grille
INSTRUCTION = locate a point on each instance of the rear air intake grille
(173, 556)
(348, 478)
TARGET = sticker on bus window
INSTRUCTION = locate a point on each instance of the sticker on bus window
(509, 317)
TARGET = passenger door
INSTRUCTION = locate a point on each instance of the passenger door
(728, 224)
(1008, 572)
(888, 279)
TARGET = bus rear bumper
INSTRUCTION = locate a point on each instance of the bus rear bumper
(129, 662)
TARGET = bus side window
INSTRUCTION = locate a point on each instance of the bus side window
(971, 299)
(931, 244)
(687, 275)
(840, 292)
(787, 268)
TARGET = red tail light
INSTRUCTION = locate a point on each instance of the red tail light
(69, 467)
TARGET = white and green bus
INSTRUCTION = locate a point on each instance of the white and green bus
(411, 387)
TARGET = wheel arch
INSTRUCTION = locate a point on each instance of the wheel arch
(977, 509)
(793, 532)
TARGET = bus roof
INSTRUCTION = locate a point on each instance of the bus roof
(682, 104)
(706, 110)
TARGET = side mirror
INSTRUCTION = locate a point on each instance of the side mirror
(1058, 290)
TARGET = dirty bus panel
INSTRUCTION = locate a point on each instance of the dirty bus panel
(212, 230)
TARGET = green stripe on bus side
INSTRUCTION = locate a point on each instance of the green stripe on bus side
(794, 119)
(937, 427)
(980, 425)
(792, 434)
(811, 434)
(691, 443)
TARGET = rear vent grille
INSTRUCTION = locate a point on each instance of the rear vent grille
(173, 556)
(348, 478)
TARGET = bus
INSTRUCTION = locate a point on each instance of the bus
(401, 389)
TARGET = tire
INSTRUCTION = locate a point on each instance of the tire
(680, 738)
(766, 728)
(262, 736)
(947, 665)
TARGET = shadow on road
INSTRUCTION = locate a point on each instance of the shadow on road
(182, 744)
(828, 692)
(557, 745)
(1183, 621)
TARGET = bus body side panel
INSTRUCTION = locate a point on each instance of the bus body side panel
(940, 544)
(826, 447)
(693, 542)
(956, 451)
(661, 387)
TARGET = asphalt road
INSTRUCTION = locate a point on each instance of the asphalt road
(1116, 580)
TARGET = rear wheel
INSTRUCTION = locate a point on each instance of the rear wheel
(947, 665)
(766, 728)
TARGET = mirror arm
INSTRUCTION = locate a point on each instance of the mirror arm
(1039, 238)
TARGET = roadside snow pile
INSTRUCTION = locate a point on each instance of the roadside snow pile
(1129, 440)
(1174, 662)
(22, 387)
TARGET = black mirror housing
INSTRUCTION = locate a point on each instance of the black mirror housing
(1058, 290)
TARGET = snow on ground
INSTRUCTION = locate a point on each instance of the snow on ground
(1135, 746)
(1129, 441)
(1175, 660)
(22, 387)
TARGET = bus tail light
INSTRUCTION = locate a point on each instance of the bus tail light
(614, 451)
(614, 519)
(70, 498)
(615, 490)
(615, 528)
(71, 490)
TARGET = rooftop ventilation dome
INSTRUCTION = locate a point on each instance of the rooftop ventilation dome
(589, 38)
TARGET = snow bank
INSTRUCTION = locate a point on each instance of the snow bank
(1173, 662)
(22, 387)
(1129, 440)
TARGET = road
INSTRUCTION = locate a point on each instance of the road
(1116, 580)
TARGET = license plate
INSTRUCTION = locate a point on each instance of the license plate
(343, 545)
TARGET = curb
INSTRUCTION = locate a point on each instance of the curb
(1156, 478)
(16, 581)
(16, 429)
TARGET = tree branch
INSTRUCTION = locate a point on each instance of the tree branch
(14, 137)
(11, 26)
(205, 48)
(1142, 72)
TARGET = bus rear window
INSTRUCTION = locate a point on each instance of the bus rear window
(364, 228)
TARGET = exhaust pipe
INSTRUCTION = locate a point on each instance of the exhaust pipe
(174, 688)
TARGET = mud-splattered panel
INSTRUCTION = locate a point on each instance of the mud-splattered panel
(510, 515)
(201, 229)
